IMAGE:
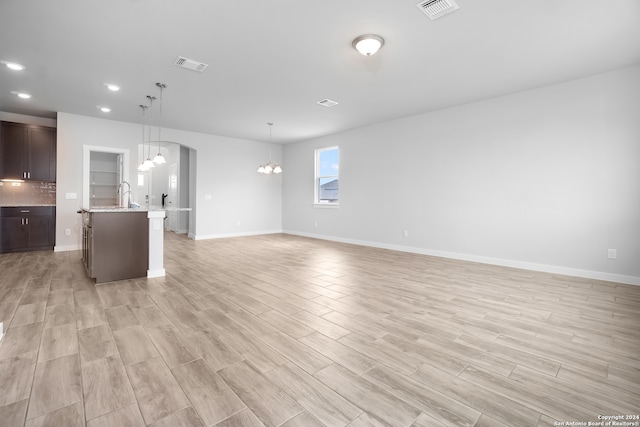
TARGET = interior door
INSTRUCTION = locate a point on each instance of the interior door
(171, 203)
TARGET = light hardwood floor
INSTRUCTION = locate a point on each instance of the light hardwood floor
(281, 330)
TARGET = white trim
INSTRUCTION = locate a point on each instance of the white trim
(245, 234)
(1, 330)
(327, 205)
(65, 248)
(156, 273)
(86, 162)
(588, 274)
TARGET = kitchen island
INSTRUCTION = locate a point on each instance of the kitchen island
(122, 243)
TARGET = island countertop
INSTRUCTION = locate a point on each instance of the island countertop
(113, 209)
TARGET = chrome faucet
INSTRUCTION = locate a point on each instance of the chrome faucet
(125, 193)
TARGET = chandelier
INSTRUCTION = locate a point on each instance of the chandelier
(270, 166)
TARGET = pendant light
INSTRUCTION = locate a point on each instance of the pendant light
(271, 166)
(159, 158)
(149, 163)
(142, 166)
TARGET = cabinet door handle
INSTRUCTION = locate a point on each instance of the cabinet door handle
(24, 174)
(25, 211)
(26, 221)
(28, 174)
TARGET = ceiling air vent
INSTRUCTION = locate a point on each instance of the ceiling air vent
(190, 64)
(435, 9)
(327, 103)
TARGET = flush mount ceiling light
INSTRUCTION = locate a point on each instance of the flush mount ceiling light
(270, 167)
(112, 87)
(368, 44)
(105, 109)
(14, 66)
(23, 95)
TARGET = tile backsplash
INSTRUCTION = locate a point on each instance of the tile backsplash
(27, 193)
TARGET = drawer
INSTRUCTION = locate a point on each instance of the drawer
(27, 211)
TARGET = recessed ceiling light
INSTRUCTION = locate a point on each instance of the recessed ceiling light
(105, 109)
(14, 66)
(112, 87)
(24, 95)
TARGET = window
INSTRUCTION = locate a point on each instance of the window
(326, 176)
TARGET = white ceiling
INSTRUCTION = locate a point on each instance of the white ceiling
(271, 61)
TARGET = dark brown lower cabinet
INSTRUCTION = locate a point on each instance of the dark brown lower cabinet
(27, 228)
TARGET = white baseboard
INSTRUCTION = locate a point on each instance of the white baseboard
(609, 277)
(156, 273)
(225, 235)
(59, 248)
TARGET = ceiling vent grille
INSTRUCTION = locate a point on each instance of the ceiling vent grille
(435, 9)
(327, 103)
(190, 64)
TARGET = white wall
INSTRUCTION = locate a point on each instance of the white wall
(225, 170)
(547, 179)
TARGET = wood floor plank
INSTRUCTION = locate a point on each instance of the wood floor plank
(244, 418)
(96, 342)
(20, 339)
(539, 399)
(319, 324)
(106, 386)
(300, 354)
(285, 324)
(58, 315)
(58, 341)
(16, 377)
(266, 400)
(479, 398)
(90, 315)
(351, 359)
(213, 348)
(28, 313)
(134, 345)
(209, 395)
(184, 418)
(367, 396)
(354, 324)
(14, 414)
(324, 404)
(63, 296)
(120, 317)
(156, 390)
(167, 341)
(69, 416)
(128, 416)
(437, 405)
(303, 419)
(57, 383)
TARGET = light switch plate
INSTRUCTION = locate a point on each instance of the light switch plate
(71, 196)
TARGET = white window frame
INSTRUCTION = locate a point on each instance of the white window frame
(317, 177)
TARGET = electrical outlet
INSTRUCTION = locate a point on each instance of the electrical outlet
(315, 224)
(67, 232)
(238, 222)
(405, 233)
(612, 253)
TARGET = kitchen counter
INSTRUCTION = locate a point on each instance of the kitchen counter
(123, 243)
(120, 209)
(25, 205)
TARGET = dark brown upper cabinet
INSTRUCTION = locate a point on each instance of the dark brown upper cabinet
(27, 152)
